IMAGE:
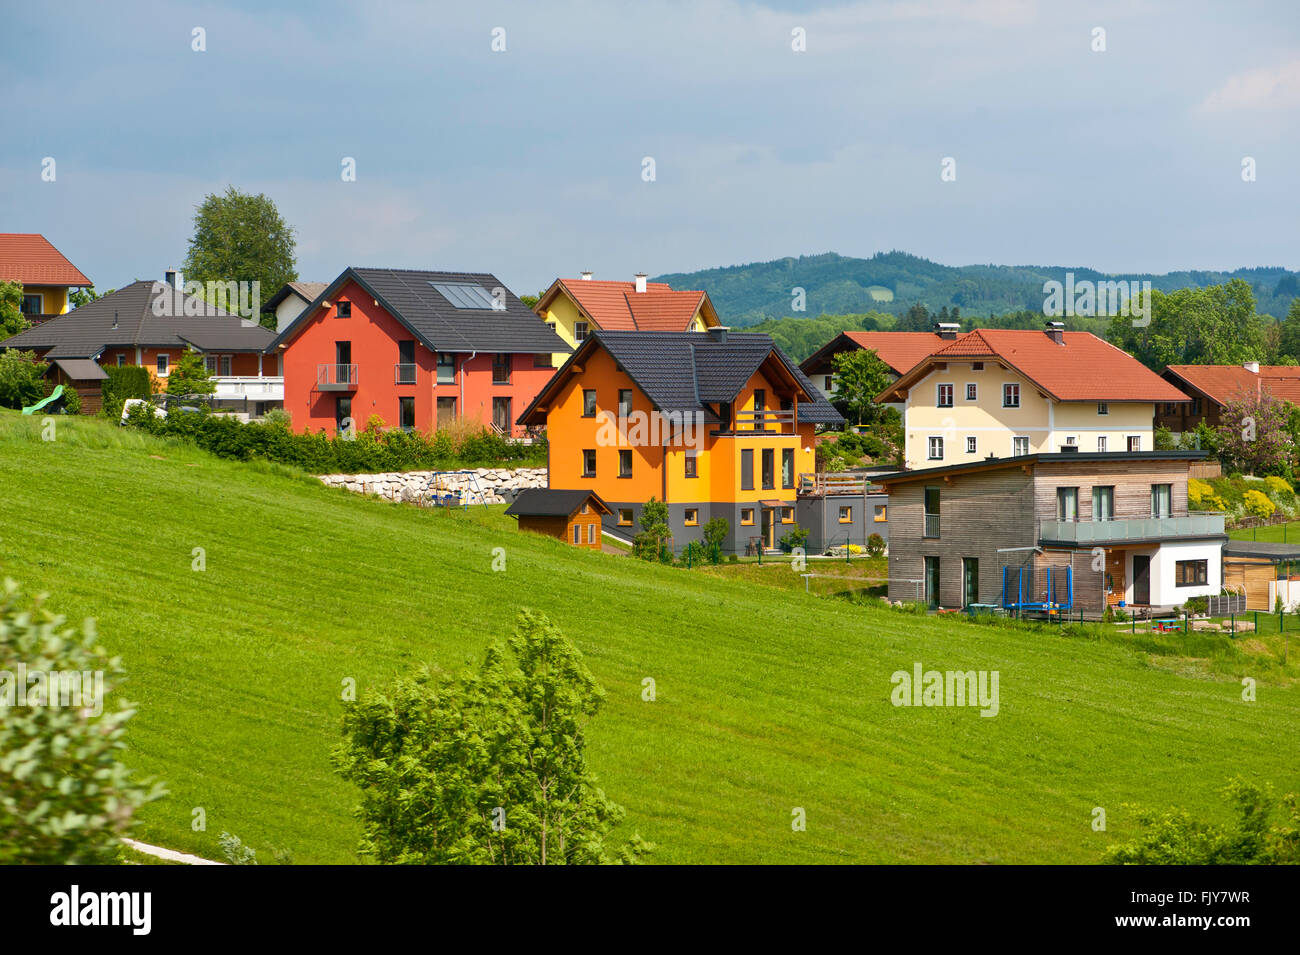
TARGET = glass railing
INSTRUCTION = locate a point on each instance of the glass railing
(1140, 528)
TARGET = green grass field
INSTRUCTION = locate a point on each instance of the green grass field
(767, 698)
(1278, 533)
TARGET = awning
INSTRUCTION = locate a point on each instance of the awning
(774, 503)
(81, 369)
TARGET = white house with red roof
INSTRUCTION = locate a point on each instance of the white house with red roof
(574, 308)
(44, 272)
(1013, 392)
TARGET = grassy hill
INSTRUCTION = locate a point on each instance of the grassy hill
(768, 699)
(893, 281)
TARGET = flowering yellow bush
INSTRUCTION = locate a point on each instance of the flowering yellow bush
(1258, 504)
(1278, 485)
(1201, 497)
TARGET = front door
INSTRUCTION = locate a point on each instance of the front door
(932, 582)
(1141, 579)
(970, 581)
(769, 528)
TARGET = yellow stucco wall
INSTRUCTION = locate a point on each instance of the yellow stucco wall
(564, 313)
(55, 298)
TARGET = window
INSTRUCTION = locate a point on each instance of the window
(935, 448)
(121, 360)
(690, 464)
(760, 399)
(502, 420)
(446, 368)
(972, 392)
(624, 402)
(1162, 500)
(880, 514)
(542, 359)
(1101, 444)
(787, 467)
(931, 512)
(579, 332)
(769, 468)
(971, 444)
(210, 364)
(465, 295)
(577, 533)
(1019, 446)
(944, 396)
(747, 470)
(1071, 441)
(1135, 442)
(787, 515)
(624, 463)
(342, 413)
(1191, 573)
(586, 509)
(624, 516)
(162, 365)
(343, 310)
(589, 402)
(407, 408)
(977, 366)
(1103, 503)
(829, 385)
(33, 304)
(846, 514)
(446, 411)
(405, 370)
(1011, 396)
(747, 515)
(1103, 408)
(591, 533)
(1196, 406)
(1067, 504)
(500, 369)
(589, 462)
(223, 366)
(692, 516)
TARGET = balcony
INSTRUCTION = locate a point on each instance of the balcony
(248, 388)
(331, 377)
(931, 525)
(404, 374)
(1130, 530)
(763, 422)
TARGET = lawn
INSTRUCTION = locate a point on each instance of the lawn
(768, 698)
(1278, 533)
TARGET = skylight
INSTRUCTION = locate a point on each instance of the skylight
(467, 296)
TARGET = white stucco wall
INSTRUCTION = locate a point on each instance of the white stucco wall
(1164, 591)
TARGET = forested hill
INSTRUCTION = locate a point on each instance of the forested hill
(894, 281)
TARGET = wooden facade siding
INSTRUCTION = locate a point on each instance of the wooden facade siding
(1252, 576)
(1132, 490)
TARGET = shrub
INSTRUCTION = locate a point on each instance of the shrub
(1201, 497)
(696, 553)
(71, 400)
(875, 545)
(1258, 504)
(277, 418)
(1279, 486)
(795, 537)
(1198, 604)
(124, 381)
(715, 534)
(22, 380)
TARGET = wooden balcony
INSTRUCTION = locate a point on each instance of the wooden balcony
(762, 423)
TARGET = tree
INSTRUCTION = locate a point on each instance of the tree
(65, 798)
(715, 535)
(12, 319)
(860, 375)
(84, 296)
(190, 377)
(22, 378)
(1288, 345)
(649, 544)
(241, 238)
(487, 768)
(1216, 325)
(1254, 435)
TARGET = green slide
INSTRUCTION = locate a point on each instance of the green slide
(55, 395)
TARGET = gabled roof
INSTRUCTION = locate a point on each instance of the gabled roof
(618, 306)
(81, 369)
(552, 502)
(307, 291)
(410, 297)
(29, 258)
(687, 371)
(1082, 367)
(1222, 383)
(126, 318)
(899, 350)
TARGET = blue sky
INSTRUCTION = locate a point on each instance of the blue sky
(528, 162)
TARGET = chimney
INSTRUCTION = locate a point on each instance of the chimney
(1055, 331)
(1252, 367)
(586, 276)
(640, 282)
(947, 330)
(114, 318)
(719, 334)
(172, 278)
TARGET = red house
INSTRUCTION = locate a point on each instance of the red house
(415, 348)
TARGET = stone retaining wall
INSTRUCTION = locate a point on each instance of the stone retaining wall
(494, 485)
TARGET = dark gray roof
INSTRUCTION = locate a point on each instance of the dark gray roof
(685, 371)
(81, 369)
(1270, 550)
(551, 502)
(1046, 457)
(126, 319)
(409, 295)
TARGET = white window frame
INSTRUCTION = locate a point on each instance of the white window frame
(972, 391)
(162, 364)
(1005, 386)
(1129, 439)
(580, 332)
(1103, 407)
(1101, 444)
(1072, 440)
(930, 445)
(938, 394)
(1019, 437)
(972, 445)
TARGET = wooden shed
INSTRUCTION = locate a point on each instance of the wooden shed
(573, 516)
(1249, 567)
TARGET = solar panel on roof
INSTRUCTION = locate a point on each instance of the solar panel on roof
(467, 296)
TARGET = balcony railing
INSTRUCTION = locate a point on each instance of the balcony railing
(404, 374)
(931, 525)
(1131, 529)
(254, 388)
(332, 377)
(819, 485)
(760, 422)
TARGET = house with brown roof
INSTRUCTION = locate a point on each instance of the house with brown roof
(899, 350)
(291, 301)
(1014, 392)
(574, 308)
(44, 271)
(1208, 388)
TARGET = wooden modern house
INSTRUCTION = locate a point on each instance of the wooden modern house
(44, 272)
(573, 516)
(714, 424)
(1080, 531)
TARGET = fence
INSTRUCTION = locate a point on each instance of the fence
(1225, 604)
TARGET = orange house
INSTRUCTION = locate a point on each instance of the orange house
(714, 424)
(572, 516)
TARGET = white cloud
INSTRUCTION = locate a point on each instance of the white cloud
(1267, 88)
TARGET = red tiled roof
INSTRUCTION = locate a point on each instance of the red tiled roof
(618, 306)
(30, 258)
(1222, 383)
(1082, 368)
(899, 350)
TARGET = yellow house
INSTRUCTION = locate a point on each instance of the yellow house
(45, 274)
(1011, 392)
(574, 308)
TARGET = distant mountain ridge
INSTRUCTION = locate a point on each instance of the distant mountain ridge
(893, 281)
